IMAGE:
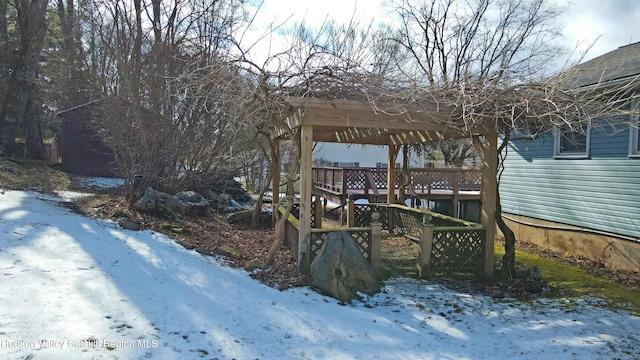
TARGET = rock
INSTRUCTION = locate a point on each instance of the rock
(341, 271)
(245, 216)
(240, 217)
(219, 201)
(533, 282)
(214, 198)
(521, 272)
(191, 203)
(163, 204)
(225, 202)
(234, 204)
(157, 202)
(129, 224)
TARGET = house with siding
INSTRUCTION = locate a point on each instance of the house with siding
(578, 192)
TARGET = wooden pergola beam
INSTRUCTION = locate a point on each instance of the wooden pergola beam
(353, 122)
(371, 120)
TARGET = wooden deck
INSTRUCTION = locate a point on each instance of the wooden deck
(337, 184)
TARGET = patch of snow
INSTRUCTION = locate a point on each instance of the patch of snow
(71, 195)
(73, 287)
(99, 182)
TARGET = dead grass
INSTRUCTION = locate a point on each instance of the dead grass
(16, 174)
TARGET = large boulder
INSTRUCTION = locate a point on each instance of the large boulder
(227, 203)
(218, 200)
(191, 203)
(163, 204)
(341, 271)
(157, 202)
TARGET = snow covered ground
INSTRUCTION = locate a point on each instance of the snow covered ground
(72, 287)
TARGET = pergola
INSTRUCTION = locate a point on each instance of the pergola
(357, 122)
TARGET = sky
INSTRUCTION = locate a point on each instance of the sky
(613, 23)
(73, 287)
(607, 24)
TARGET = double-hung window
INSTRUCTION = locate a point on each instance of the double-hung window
(572, 143)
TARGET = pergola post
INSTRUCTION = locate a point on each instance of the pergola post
(391, 173)
(351, 212)
(488, 193)
(391, 182)
(424, 252)
(376, 244)
(306, 177)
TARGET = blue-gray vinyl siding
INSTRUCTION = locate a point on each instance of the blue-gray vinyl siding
(600, 192)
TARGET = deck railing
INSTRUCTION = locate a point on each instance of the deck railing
(339, 180)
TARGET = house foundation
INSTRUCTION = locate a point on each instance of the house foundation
(616, 252)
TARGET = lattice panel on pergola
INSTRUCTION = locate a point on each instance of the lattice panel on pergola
(407, 223)
(362, 214)
(295, 211)
(457, 250)
(361, 237)
(291, 236)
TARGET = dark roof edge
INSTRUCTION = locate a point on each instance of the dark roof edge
(611, 82)
(59, 113)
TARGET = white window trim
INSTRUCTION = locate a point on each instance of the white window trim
(633, 134)
(557, 134)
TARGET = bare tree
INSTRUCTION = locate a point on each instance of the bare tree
(20, 108)
(455, 152)
(168, 129)
(4, 49)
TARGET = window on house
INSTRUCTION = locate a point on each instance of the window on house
(572, 142)
(634, 144)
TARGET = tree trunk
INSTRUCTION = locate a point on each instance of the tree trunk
(4, 45)
(32, 131)
(257, 211)
(406, 176)
(280, 229)
(15, 106)
(72, 54)
(509, 257)
(31, 28)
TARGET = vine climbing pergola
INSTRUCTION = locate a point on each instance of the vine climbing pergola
(359, 122)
